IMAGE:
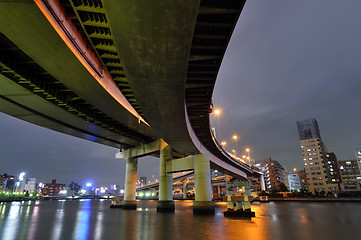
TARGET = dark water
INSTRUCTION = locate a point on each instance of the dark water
(93, 219)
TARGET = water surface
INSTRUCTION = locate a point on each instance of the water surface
(93, 219)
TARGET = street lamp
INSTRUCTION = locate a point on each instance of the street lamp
(217, 113)
(248, 156)
(235, 138)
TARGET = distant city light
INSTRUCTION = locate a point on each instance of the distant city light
(88, 184)
(121, 190)
(21, 176)
(63, 192)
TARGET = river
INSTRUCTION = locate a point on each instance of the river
(93, 219)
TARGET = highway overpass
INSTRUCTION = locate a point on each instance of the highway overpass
(126, 74)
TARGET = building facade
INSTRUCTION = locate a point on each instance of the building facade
(303, 179)
(358, 157)
(274, 174)
(31, 185)
(294, 182)
(320, 166)
(350, 171)
(53, 188)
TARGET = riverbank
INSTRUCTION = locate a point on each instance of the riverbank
(315, 199)
(23, 198)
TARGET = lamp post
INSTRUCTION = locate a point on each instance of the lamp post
(217, 113)
(248, 156)
(235, 138)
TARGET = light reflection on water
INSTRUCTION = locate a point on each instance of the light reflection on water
(93, 219)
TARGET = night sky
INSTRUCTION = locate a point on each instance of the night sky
(287, 61)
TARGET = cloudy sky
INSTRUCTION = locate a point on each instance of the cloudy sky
(288, 60)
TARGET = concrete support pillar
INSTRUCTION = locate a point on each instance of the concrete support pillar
(203, 190)
(185, 189)
(130, 184)
(243, 203)
(247, 192)
(239, 206)
(229, 191)
(165, 203)
(263, 185)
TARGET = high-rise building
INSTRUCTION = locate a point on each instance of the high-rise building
(294, 182)
(31, 185)
(274, 174)
(320, 166)
(350, 171)
(6, 183)
(308, 129)
(358, 157)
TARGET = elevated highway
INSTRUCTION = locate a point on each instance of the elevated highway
(120, 73)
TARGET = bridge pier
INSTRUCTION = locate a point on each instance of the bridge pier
(242, 200)
(229, 190)
(185, 189)
(203, 189)
(129, 201)
(165, 203)
(247, 192)
(263, 185)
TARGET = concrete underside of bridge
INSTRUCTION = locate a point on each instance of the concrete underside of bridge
(154, 39)
(24, 24)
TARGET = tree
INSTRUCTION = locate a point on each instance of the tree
(283, 187)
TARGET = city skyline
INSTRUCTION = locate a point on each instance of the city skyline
(285, 62)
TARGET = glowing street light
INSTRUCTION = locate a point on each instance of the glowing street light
(217, 113)
(235, 138)
(248, 156)
(223, 143)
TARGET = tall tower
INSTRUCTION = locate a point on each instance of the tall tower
(320, 166)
